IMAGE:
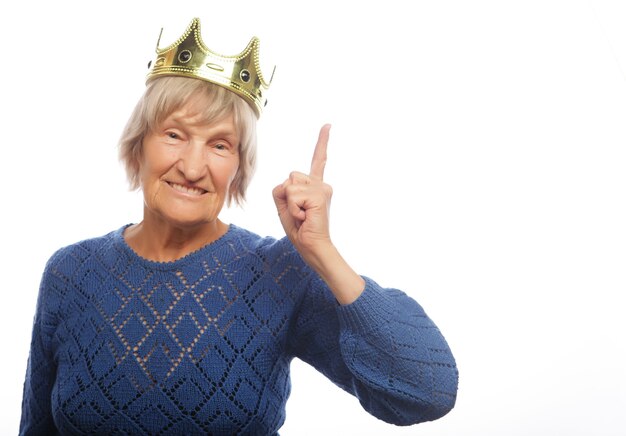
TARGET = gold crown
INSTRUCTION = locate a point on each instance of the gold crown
(190, 57)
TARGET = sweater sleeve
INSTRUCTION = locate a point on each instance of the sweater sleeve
(41, 370)
(382, 348)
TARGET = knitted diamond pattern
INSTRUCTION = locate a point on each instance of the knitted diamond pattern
(202, 345)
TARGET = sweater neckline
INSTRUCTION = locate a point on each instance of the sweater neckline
(191, 257)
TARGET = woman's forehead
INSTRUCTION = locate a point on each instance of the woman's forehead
(198, 118)
(198, 111)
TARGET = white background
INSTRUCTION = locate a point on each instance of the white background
(477, 156)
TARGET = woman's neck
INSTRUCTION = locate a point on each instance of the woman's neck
(160, 241)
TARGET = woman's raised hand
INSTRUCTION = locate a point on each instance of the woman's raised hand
(303, 203)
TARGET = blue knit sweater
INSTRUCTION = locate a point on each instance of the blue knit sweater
(202, 345)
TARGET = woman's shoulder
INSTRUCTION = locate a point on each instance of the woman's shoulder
(267, 245)
(76, 253)
(272, 251)
(277, 257)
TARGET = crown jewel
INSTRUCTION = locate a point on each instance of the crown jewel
(190, 57)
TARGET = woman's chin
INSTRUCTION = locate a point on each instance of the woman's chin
(190, 222)
(184, 215)
(181, 219)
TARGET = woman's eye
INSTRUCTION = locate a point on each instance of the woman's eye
(172, 135)
(222, 147)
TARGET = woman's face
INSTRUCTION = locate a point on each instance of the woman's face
(187, 168)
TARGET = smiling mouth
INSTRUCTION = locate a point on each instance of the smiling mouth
(187, 189)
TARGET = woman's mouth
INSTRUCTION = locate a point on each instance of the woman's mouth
(187, 189)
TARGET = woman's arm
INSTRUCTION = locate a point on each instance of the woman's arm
(41, 370)
(382, 348)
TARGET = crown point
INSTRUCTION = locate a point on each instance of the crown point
(190, 57)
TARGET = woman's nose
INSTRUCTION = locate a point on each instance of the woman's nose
(192, 162)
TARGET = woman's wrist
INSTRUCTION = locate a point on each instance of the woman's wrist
(343, 281)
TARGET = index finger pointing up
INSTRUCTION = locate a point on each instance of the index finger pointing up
(318, 163)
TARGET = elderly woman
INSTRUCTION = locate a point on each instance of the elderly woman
(182, 324)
